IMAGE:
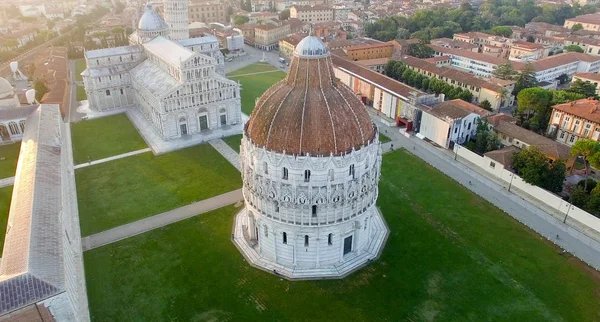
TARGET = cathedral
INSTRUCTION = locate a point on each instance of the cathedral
(310, 161)
(178, 83)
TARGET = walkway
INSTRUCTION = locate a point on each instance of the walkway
(120, 156)
(543, 223)
(7, 182)
(227, 152)
(250, 74)
(143, 225)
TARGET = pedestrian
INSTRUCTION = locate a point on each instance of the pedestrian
(392, 147)
(470, 182)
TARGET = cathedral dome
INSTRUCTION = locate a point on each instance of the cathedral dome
(151, 20)
(6, 88)
(310, 111)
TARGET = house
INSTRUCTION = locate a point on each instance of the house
(513, 135)
(503, 157)
(526, 51)
(451, 122)
(588, 22)
(575, 120)
(314, 14)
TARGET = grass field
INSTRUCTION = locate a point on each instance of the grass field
(104, 137)
(383, 138)
(451, 256)
(234, 142)
(125, 190)
(253, 86)
(80, 94)
(5, 195)
(9, 155)
(79, 68)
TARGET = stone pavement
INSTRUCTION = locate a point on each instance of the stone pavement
(543, 223)
(143, 225)
(227, 152)
(6, 182)
(115, 157)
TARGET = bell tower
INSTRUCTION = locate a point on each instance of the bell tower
(176, 16)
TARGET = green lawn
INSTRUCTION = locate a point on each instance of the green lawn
(5, 195)
(9, 155)
(253, 86)
(104, 137)
(451, 256)
(125, 190)
(254, 68)
(79, 68)
(80, 94)
(234, 142)
(383, 138)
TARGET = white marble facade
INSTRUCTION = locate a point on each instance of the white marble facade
(179, 86)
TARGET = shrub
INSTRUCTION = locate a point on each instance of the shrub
(591, 184)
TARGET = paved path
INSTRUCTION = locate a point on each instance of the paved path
(227, 152)
(546, 225)
(256, 73)
(160, 220)
(6, 182)
(120, 156)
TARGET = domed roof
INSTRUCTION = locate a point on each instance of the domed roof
(151, 20)
(311, 47)
(310, 111)
(6, 88)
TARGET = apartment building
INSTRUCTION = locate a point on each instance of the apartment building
(372, 51)
(261, 17)
(526, 51)
(476, 63)
(491, 45)
(314, 14)
(589, 22)
(208, 12)
(457, 44)
(266, 37)
(496, 91)
(575, 120)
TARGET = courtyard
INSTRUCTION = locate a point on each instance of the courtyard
(104, 137)
(9, 155)
(255, 80)
(458, 258)
(117, 192)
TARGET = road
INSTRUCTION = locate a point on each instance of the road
(252, 56)
(543, 223)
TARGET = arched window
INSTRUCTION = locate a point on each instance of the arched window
(14, 129)
(285, 173)
(22, 124)
(306, 175)
(121, 91)
(330, 239)
(108, 92)
(330, 174)
(266, 167)
(284, 237)
(276, 206)
(266, 229)
(366, 220)
(351, 170)
(314, 210)
(305, 240)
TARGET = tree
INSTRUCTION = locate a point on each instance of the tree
(587, 149)
(485, 104)
(40, 89)
(579, 197)
(525, 79)
(239, 20)
(505, 71)
(577, 27)
(585, 88)
(573, 48)
(501, 31)
(419, 51)
(593, 202)
(533, 166)
(485, 139)
(530, 39)
(284, 14)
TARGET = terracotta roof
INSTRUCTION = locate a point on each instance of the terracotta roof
(373, 62)
(457, 109)
(591, 76)
(389, 84)
(497, 118)
(592, 18)
(310, 112)
(311, 8)
(584, 108)
(503, 156)
(468, 54)
(561, 59)
(377, 45)
(549, 147)
(294, 39)
(527, 45)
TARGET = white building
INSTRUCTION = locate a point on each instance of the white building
(176, 17)
(179, 87)
(311, 160)
(451, 122)
(235, 42)
(12, 114)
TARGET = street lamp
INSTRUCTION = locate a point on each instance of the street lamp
(567, 214)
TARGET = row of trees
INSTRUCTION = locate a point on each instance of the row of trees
(436, 23)
(401, 72)
(587, 196)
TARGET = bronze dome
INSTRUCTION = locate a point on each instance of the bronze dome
(310, 111)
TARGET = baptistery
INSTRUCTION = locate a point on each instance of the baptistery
(310, 162)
